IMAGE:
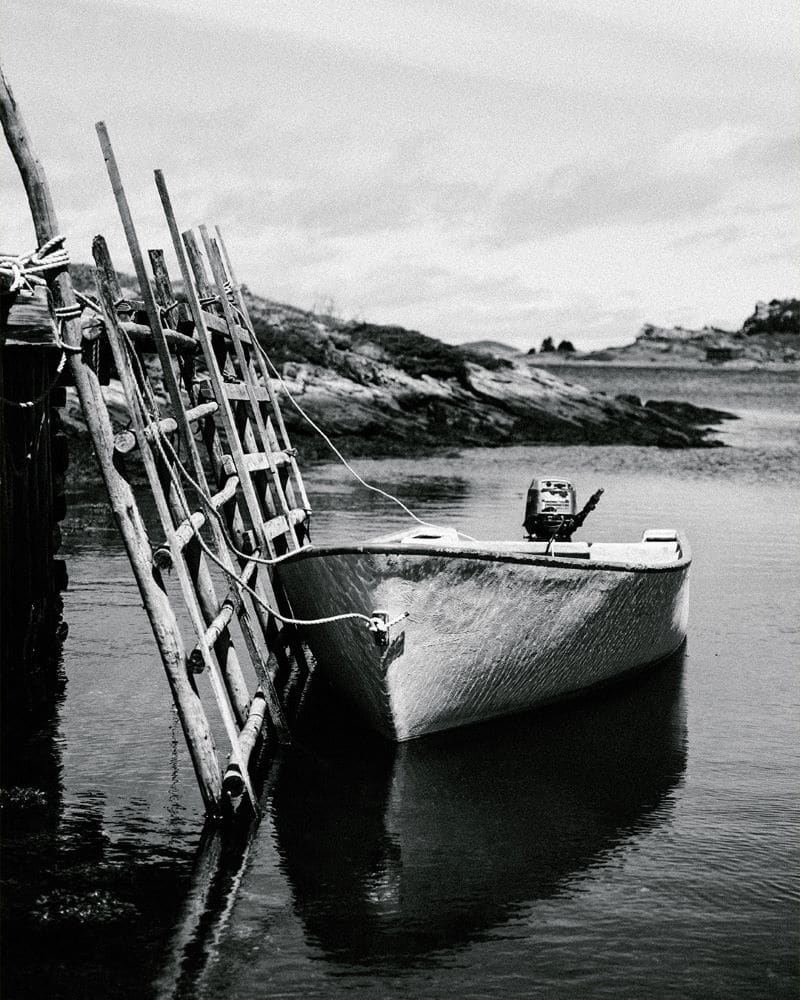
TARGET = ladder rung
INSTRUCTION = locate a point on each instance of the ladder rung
(237, 392)
(217, 324)
(220, 621)
(142, 336)
(196, 413)
(212, 633)
(228, 492)
(259, 460)
(125, 441)
(185, 531)
(233, 782)
(278, 525)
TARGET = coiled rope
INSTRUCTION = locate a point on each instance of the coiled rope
(27, 270)
(26, 273)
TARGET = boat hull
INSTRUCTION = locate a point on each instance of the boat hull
(487, 634)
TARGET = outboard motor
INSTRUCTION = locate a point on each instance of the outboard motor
(550, 510)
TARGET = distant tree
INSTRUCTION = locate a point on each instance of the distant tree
(566, 347)
(547, 345)
(532, 350)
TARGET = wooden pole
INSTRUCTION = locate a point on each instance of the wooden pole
(165, 628)
(215, 260)
(266, 374)
(272, 633)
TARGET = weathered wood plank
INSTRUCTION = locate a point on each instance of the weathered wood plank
(217, 325)
(236, 393)
(278, 525)
(27, 320)
(259, 461)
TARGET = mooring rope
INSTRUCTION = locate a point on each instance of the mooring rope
(332, 446)
(234, 577)
(159, 437)
(209, 504)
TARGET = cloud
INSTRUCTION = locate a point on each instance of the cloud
(468, 169)
(695, 174)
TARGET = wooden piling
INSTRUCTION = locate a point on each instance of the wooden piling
(33, 462)
(165, 628)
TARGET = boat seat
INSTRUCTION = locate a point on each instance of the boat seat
(425, 533)
(660, 535)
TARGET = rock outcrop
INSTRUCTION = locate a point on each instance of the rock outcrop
(770, 336)
(382, 390)
(379, 390)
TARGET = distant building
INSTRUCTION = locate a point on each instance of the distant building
(722, 351)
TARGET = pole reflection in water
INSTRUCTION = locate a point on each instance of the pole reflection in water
(395, 855)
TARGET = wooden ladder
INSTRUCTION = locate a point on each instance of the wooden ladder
(226, 511)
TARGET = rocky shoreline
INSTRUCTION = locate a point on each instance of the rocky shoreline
(769, 340)
(387, 391)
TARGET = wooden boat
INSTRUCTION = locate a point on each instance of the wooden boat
(492, 628)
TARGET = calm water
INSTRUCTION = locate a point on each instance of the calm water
(642, 844)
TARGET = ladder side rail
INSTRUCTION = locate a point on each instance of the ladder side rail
(255, 390)
(215, 260)
(151, 306)
(284, 468)
(200, 576)
(212, 299)
(115, 336)
(198, 567)
(165, 627)
(265, 372)
(211, 609)
(188, 255)
(272, 631)
(209, 604)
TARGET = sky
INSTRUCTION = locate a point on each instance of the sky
(473, 169)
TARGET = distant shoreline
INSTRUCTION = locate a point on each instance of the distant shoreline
(682, 365)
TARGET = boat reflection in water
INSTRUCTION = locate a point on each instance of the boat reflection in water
(395, 854)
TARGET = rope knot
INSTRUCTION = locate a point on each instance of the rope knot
(27, 270)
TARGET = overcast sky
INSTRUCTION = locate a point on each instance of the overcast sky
(504, 169)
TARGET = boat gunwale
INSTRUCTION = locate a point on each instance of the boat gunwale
(495, 555)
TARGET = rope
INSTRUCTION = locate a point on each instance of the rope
(334, 449)
(27, 270)
(64, 313)
(30, 452)
(158, 437)
(232, 575)
(207, 501)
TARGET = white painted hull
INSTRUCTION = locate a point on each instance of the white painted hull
(492, 629)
